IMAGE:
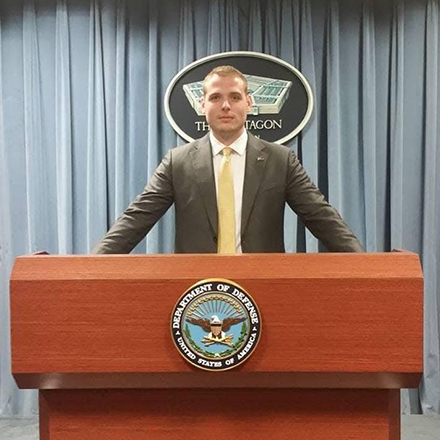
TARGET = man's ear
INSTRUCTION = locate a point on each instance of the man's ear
(202, 101)
(249, 102)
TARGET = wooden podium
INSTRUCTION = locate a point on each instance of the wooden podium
(342, 333)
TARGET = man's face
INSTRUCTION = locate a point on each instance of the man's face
(226, 106)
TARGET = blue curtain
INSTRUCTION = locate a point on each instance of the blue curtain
(82, 125)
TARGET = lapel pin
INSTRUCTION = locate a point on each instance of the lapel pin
(260, 158)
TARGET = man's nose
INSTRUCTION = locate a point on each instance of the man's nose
(225, 104)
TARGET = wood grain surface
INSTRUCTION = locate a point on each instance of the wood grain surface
(329, 320)
(198, 414)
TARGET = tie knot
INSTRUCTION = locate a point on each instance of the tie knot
(227, 151)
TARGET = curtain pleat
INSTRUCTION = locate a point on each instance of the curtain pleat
(34, 161)
(121, 147)
(23, 403)
(430, 390)
(367, 142)
(308, 140)
(187, 52)
(154, 104)
(223, 26)
(187, 43)
(272, 29)
(13, 228)
(63, 131)
(232, 26)
(396, 125)
(97, 212)
(255, 33)
(83, 127)
(333, 96)
(215, 19)
(6, 381)
(107, 40)
(288, 51)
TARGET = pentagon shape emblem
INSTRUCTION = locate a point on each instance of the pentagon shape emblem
(282, 99)
(216, 325)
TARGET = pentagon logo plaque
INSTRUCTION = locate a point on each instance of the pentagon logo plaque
(282, 99)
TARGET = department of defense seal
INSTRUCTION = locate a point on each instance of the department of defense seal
(216, 325)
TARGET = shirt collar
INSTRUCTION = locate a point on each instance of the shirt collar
(239, 145)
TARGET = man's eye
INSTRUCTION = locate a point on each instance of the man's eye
(236, 97)
(214, 98)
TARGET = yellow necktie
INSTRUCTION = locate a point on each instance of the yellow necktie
(226, 206)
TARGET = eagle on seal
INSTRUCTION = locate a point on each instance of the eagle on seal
(215, 327)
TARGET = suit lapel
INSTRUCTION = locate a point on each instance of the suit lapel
(201, 157)
(256, 158)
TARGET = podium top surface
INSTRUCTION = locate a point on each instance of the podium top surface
(402, 265)
(329, 320)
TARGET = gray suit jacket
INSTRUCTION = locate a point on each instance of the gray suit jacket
(273, 176)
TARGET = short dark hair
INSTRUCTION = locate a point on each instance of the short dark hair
(226, 71)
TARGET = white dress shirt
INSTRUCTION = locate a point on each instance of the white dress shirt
(238, 162)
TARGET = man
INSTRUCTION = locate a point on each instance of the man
(229, 199)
